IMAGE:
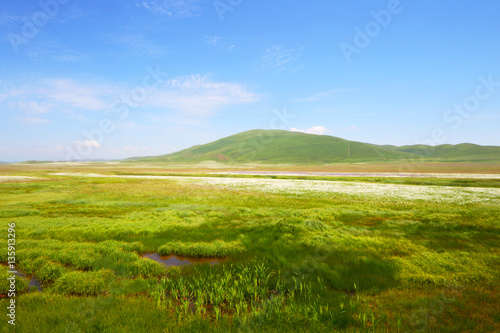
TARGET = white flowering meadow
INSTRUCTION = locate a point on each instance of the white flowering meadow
(453, 194)
(15, 178)
(368, 174)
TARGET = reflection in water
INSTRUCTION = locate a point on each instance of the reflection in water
(173, 260)
(33, 282)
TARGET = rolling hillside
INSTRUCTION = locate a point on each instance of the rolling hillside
(277, 146)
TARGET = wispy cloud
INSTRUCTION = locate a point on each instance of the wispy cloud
(217, 41)
(278, 57)
(193, 95)
(180, 8)
(33, 108)
(131, 125)
(76, 95)
(326, 110)
(318, 130)
(351, 129)
(212, 40)
(322, 95)
(138, 44)
(53, 52)
(16, 17)
(70, 13)
(483, 117)
(89, 143)
(137, 150)
(58, 95)
(10, 92)
(34, 120)
(199, 95)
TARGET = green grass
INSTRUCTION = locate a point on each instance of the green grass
(83, 283)
(202, 249)
(310, 262)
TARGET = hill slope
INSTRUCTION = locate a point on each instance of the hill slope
(458, 153)
(277, 146)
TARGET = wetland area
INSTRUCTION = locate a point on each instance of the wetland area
(203, 252)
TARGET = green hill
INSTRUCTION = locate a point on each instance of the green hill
(465, 152)
(277, 146)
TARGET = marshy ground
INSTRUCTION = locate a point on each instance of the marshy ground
(362, 254)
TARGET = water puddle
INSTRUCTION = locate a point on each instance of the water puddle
(173, 260)
(33, 282)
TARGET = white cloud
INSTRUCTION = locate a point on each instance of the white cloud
(130, 125)
(71, 13)
(182, 8)
(89, 143)
(138, 44)
(54, 95)
(53, 51)
(322, 95)
(495, 115)
(192, 95)
(33, 107)
(217, 41)
(10, 92)
(326, 110)
(137, 150)
(34, 120)
(212, 40)
(318, 130)
(199, 95)
(76, 95)
(278, 56)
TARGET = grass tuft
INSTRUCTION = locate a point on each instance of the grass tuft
(202, 249)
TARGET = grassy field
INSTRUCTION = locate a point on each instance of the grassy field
(322, 255)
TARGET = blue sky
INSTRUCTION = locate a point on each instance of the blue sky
(113, 79)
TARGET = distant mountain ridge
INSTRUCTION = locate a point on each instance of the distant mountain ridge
(279, 146)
